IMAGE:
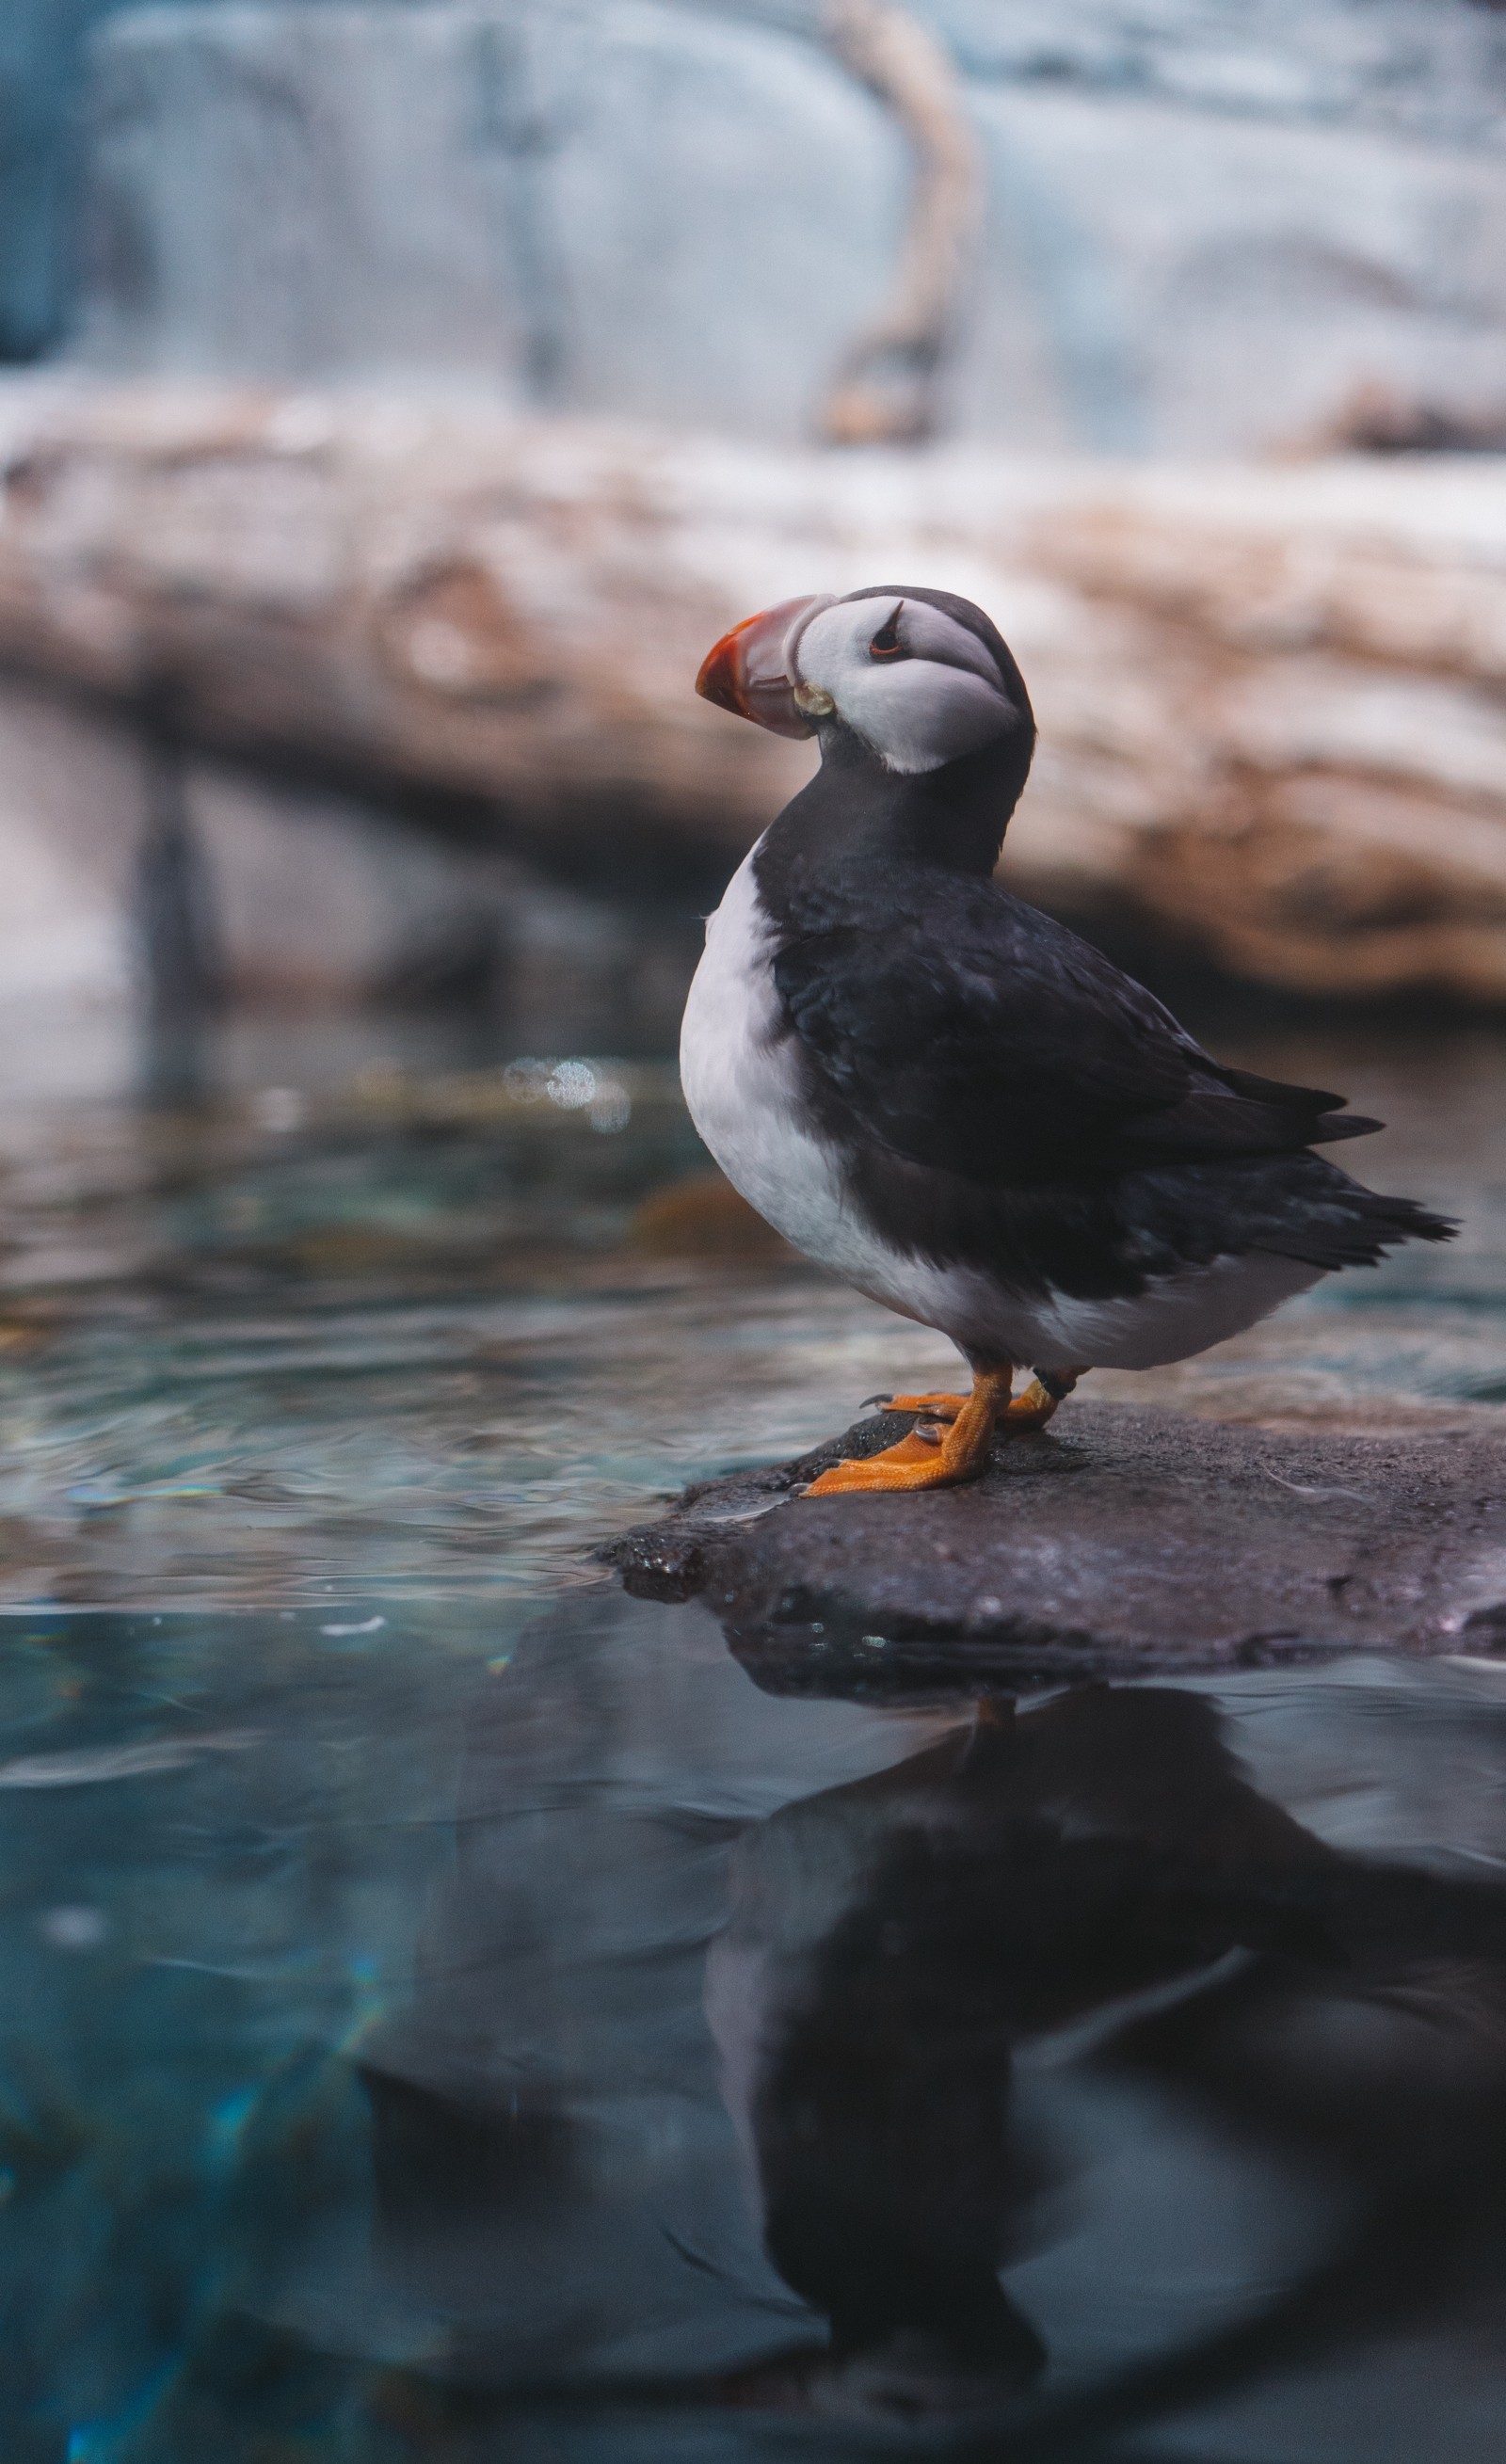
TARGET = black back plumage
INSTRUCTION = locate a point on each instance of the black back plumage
(1001, 1094)
(979, 1009)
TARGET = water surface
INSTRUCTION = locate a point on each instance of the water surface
(450, 2011)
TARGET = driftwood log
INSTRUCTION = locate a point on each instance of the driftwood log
(1270, 699)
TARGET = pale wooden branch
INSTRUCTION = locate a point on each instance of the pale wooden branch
(884, 392)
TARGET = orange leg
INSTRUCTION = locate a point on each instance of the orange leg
(1033, 1409)
(931, 1461)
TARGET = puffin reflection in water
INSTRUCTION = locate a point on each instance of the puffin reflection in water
(948, 1097)
(938, 1985)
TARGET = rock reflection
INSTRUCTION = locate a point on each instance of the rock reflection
(975, 2024)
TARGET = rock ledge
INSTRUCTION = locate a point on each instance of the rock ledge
(1120, 1543)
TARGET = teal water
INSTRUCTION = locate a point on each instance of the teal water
(448, 2012)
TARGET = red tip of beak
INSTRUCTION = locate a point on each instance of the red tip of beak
(748, 670)
(722, 679)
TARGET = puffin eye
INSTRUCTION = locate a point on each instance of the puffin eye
(886, 643)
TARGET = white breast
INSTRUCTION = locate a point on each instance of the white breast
(740, 1083)
(740, 1080)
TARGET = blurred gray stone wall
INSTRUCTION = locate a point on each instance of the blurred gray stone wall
(1209, 222)
(620, 209)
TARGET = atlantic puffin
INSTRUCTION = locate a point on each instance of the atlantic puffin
(948, 1097)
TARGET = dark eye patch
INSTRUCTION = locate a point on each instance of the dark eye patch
(886, 643)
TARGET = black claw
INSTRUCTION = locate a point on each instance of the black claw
(874, 1398)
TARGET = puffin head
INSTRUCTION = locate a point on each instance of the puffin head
(920, 677)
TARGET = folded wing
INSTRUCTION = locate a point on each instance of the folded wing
(995, 1044)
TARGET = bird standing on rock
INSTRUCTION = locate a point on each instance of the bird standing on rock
(948, 1097)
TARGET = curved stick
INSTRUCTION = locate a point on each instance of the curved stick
(885, 389)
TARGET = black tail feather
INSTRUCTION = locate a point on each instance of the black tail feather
(1359, 1230)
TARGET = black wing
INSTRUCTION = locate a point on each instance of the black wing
(994, 1043)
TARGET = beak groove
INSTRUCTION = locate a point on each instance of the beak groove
(750, 671)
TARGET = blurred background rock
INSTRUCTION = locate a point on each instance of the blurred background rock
(405, 395)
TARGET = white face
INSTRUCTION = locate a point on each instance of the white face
(916, 686)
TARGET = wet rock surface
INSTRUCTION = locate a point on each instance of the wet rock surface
(1118, 1543)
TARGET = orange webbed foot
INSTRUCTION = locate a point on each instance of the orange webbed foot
(940, 1457)
(933, 1457)
(916, 1462)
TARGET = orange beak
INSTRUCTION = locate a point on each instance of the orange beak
(752, 669)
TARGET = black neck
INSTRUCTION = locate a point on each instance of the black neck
(856, 821)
